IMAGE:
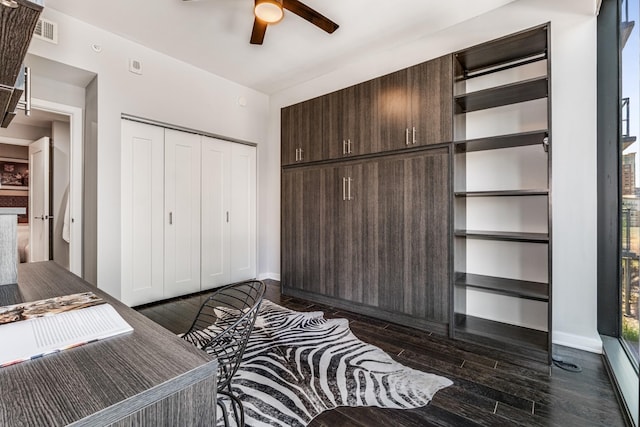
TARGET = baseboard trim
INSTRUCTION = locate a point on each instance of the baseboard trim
(270, 276)
(593, 345)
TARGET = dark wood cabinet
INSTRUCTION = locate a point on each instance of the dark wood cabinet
(408, 108)
(413, 210)
(302, 229)
(414, 105)
(373, 233)
(301, 132)
(16, 32)
(350, 121)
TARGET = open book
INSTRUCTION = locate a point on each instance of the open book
(34, 329)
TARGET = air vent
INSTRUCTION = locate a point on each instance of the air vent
(46, 30)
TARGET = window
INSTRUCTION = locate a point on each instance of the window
(629, 178)
(618, 195)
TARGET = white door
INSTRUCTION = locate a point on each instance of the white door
(39, 200)
(182, 213)
(216, 163)
(242, 212)
(142, 213)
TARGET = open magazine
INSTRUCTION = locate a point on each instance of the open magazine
(34, 329)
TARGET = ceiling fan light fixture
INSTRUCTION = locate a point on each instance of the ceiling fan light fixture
(269, 11)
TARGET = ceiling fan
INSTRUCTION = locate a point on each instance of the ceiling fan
(268, 12)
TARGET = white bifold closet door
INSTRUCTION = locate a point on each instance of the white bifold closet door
(228, 212)
(142, 213)
(182, 152)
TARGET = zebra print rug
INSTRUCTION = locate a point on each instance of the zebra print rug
(299, 364)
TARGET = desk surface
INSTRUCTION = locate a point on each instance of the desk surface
(101, 382)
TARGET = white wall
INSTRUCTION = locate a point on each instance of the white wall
(573, 56)
(169, 91)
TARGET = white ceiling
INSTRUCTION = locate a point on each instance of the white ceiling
(214, 34)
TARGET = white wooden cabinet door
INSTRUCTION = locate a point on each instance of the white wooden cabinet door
(142, 213)
(242, 213)
(182, 213)
(216, 166)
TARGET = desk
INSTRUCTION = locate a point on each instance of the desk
(146, 377)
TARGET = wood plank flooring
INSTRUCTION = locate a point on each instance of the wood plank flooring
(490, 388)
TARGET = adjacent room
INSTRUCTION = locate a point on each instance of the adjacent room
(319, 212)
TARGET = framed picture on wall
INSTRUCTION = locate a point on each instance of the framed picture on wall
(14, 174)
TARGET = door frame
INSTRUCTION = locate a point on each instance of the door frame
(76, 176)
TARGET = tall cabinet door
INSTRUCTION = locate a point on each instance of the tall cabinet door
(142, 213)
(303, 226)
(216, 196)
(242, 216)
(182, 210)
(426, 236)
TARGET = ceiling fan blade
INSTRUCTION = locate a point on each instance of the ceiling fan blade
(259, 29)
(305, 12)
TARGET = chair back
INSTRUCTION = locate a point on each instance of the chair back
(224, 323)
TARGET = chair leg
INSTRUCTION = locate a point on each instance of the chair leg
(225, 415)
(235, 403)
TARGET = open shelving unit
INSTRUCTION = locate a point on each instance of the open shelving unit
(503, 302)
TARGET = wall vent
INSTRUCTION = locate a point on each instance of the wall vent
(46, 30)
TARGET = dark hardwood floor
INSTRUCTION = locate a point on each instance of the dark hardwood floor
(490, 388)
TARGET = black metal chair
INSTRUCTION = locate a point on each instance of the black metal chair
(222, 328)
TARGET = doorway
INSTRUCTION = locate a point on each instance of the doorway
(52, 229)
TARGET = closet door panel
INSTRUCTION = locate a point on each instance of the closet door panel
(391, 234)
(242, 213)
(216, 196)
(182, 207)
(291, 248)
(142, 213)
(426, 238)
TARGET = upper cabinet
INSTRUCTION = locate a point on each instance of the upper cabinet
(19, 19)
(408, 108)
(350, 121)
(302, 139)
(414, 105)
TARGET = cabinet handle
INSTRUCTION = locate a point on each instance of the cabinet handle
(227, 216)
(297, 154)
(301, 151)
(414, 134)
(344, 147)
(170, 218)
(349, 188)
(406, 136)
(344, 188)
(348, 146)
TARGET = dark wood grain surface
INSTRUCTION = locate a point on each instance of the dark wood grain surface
(301, 128)
(105, 381)
(386, 249)
(16, 30)
(430, 90)
(490, 387)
